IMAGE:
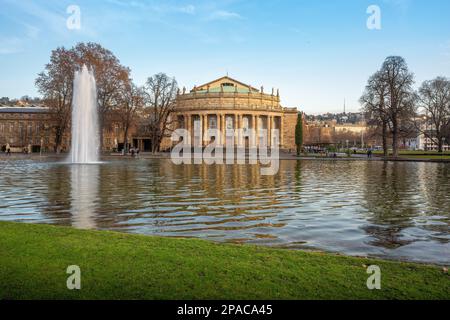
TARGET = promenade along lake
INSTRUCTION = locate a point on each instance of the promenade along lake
(395, 210)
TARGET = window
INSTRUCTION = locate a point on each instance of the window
(245, 124)
(180, 122)
(227, 84)
(229, 122)
(212, 123)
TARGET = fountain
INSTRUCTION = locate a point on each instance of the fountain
(85, 131)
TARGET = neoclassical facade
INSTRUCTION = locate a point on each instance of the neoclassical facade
(32, 128)
(26, 128)
(226, 104)
(223, 104)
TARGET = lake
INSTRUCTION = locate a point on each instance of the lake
(394, 210)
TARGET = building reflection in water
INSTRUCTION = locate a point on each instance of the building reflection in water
(382, 209)
(84, 194)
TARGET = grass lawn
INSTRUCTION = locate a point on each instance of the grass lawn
(421, 156)
(34, 259)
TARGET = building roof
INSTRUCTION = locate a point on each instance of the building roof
(225, 84)
(23, 109)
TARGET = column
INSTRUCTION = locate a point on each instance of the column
(219, 129)
(189, 128)
(273, 128)
(281, 133)
(269, 130)
(255, 127)
(241, 133)
(235, 126)
(224, 128)
(204, 128)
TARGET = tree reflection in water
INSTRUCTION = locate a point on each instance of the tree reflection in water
(393, 209)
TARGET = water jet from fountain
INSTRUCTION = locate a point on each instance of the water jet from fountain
(85, 127)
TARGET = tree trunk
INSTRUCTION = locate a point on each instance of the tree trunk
(440, 144)
(394, 137)
(384, 137)
(58, 141)
(100, 126)
(394, 143)
(125, 140)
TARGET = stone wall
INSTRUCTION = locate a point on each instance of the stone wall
(289, 123)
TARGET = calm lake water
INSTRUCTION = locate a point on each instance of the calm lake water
(396, 210)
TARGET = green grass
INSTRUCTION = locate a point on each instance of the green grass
(422, 156)
(34, 259)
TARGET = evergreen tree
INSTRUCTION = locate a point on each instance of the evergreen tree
(299, 133)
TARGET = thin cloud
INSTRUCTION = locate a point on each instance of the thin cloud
(224, 15)
(10, 45)
(403, 5)
(159, 8)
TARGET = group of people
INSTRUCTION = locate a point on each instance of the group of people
(133, 151)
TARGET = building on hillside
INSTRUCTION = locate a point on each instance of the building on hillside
(423, 140)
(226, 103)
(330, 132)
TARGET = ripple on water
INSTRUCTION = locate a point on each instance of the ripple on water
(391, 210)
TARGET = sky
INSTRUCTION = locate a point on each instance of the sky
(317, 52)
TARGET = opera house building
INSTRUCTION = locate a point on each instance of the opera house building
(225, 104)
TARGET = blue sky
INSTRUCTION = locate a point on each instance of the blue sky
(316, 52)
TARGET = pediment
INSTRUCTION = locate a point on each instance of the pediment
(225, 82)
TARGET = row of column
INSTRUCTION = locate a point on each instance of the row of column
(237, 124)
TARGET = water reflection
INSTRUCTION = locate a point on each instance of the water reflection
(84, 194)
(394, 210)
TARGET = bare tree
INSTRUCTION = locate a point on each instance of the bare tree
(55, 83)
(374, 106)
(131, 103)
(434, 97)
(110, 76)
(160, 93)
(400, 99)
